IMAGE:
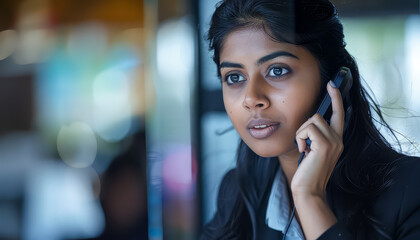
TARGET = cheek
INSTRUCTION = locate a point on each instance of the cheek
(230, 114)
(227, 105)
(300, 106)
(230, 106)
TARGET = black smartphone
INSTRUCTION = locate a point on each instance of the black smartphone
(343, 80)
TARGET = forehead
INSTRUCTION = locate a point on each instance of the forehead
(250, 42)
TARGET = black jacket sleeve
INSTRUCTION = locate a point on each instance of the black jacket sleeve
(337, 231)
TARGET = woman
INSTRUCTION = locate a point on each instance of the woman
(276, 59)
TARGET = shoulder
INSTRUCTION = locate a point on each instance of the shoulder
(405, 179)
(406, 168)
(227, 195)
(226, 200)
(399, 205)
(228, 191)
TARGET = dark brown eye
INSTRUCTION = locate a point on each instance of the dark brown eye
(234, 78)
(278, 71)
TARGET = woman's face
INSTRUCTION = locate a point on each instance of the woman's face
(269, 89)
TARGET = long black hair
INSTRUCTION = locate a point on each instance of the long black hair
(364, 168)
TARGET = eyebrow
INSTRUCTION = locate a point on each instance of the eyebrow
(260, 61)
(274, 55)
(231, 65)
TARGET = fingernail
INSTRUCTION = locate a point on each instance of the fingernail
(332, 84)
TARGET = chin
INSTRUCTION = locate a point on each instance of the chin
(265, 151)
(267, 155)
(269, 149)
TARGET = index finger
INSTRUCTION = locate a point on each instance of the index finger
(337, 117)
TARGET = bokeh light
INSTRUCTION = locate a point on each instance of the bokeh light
(8, 40)
(34, 46)
(112, 114)
(175, 57)
(88, 40)
(179, 169)
(77, 145)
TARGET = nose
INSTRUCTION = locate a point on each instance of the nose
(255, 95)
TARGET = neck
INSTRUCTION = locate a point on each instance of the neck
(289, 164)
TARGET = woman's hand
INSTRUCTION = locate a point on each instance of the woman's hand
(311, 178)
(327, 145)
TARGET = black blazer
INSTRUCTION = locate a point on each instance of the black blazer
(397, 208)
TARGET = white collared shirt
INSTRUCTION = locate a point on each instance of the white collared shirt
(278, 209)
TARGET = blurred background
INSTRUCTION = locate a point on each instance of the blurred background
(111, 116)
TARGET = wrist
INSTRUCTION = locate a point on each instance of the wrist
(305, 197)
(315, 215)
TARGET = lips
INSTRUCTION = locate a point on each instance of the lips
(261, 128)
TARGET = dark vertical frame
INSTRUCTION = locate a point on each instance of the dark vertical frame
(196, 121)
(204, 101)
